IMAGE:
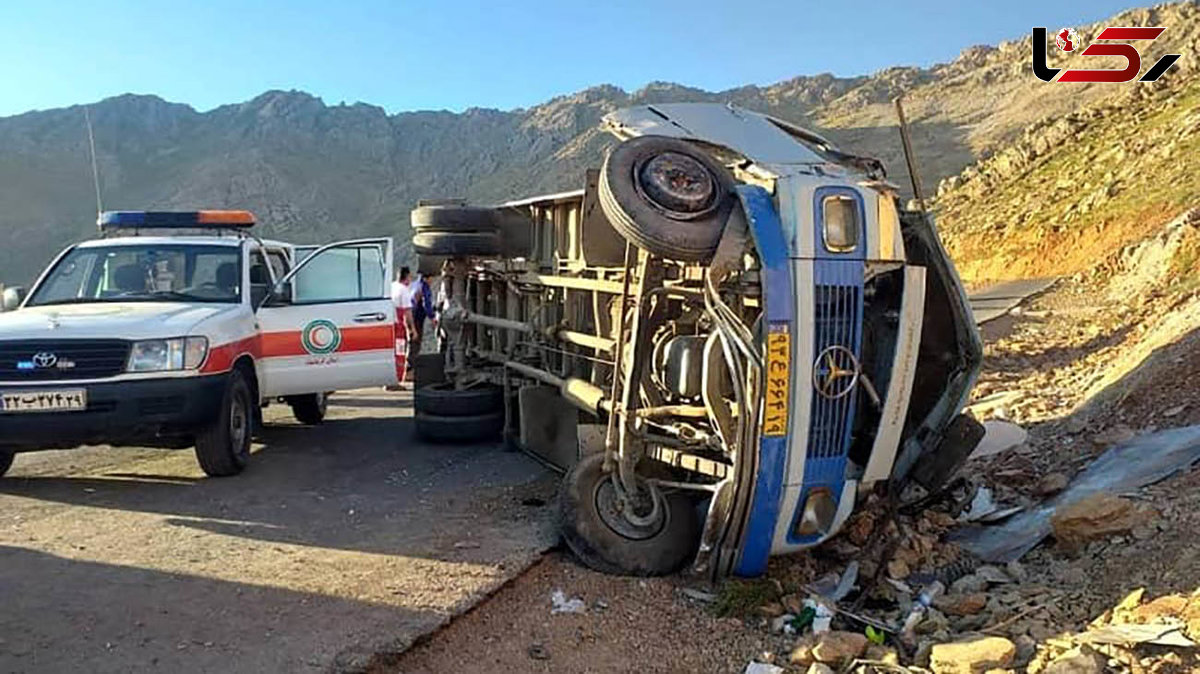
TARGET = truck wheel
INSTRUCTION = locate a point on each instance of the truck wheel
(224, 447)
(454, 219)
(6, 461)
(443, 400)
(667, 197)
(455, 244)
(309, 409)
(436, 428)
(594, 528)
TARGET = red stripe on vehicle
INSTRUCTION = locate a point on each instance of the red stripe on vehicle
(289, 343)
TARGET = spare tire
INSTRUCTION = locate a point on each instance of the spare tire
(456, 244)
(667, 196)
(435, 428)
(444, 400)
(454, 219)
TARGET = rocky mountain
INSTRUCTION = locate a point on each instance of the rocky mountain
(313, 172)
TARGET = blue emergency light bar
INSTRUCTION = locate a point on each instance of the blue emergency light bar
(174, 219)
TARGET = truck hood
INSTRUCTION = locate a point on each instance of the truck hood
(132, 320)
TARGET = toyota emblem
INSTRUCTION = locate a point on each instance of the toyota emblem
(44, 360)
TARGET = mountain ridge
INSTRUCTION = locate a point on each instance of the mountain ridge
(314, 171)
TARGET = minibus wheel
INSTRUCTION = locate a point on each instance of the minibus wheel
(660, 539)
(667, 196)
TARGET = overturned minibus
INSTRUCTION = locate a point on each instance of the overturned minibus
(729, 336)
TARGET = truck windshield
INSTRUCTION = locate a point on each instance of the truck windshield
(143, 273)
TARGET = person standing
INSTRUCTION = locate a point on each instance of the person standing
(402, 299)
(422, 309)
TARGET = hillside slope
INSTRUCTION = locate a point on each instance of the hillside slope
(315, 172)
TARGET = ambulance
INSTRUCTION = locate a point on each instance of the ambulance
(175, 329)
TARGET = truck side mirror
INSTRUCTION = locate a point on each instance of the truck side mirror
(12, 298)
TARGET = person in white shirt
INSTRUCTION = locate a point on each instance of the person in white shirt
(402, 299)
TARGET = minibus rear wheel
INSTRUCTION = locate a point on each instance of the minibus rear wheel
(593, 527)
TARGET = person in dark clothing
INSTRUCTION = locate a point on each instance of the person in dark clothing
(422, 309)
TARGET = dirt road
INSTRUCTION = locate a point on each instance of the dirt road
(338, 542)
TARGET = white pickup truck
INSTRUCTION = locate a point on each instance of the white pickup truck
(174, 329)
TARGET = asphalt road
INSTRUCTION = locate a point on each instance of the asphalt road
(997, 300)
(338, 542)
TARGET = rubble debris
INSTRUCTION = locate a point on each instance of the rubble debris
(1096, 516)
(833, 648)
(561, 604)
(961, 604)
(1142, 461)
(1050, 484)
(972, 656)
(1081, 660)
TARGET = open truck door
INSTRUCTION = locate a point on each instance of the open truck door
(329, 323)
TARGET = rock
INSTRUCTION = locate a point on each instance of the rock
(935, 621)
(820, 668)
(973, 656)
(538, 652)
(898, 569)
(961, 604)
(793, 603)
(781, 623)
(1114, 436)
(968, 584)
(1050, 484)
(836, 647)
(1093, 517)
(1026, 649)
(762, 668)
(1017, 571)
(771, 610)
(881, 653)
(1082, 660)
(993, 575)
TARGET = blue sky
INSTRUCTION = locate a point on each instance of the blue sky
(455, 54)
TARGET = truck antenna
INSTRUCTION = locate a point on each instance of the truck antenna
(87, 117)
(906, 141)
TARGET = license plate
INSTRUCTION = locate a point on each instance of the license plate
(779, 381)
(62, 400)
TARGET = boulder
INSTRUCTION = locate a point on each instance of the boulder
(1093, 517)
(972, 656)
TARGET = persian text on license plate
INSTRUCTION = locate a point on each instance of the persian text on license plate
(63, 400)
(779, 381)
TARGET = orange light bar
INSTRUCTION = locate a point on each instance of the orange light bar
(228, 218)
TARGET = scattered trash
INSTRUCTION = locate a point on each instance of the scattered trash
(763, 668)
(538, 652)
(698, 595)
(822, 618)
(1128, 635)
(875, 636)
(1142, 461)
(563, 605)
(999, 437)
(920, 606)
